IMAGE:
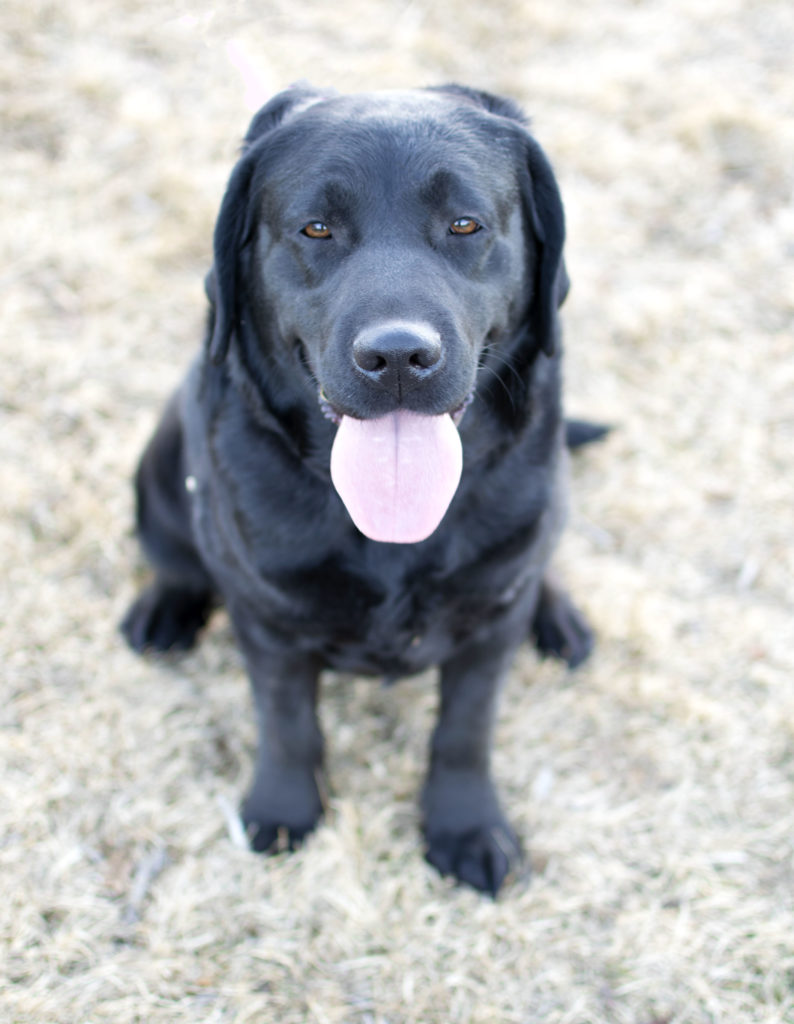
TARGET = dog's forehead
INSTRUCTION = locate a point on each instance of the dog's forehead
(398, 105)
(397, 138)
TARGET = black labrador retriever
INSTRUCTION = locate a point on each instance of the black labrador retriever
(367, 463)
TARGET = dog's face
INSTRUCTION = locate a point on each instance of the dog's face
(391, 243)
(388, 247)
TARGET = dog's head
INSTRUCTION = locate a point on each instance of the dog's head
(391, 249)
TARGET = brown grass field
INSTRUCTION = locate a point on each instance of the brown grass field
(655, 786)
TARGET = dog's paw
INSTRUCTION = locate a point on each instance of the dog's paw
(559, 629)
(481, 857)
(282, 808)
(271, 837)
(166, 618)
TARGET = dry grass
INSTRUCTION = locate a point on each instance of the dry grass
(656, 785)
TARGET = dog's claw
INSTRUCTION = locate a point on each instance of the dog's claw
(269, 838)
(480, 857)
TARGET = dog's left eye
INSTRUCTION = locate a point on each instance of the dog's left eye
(316, 229)
(464, 226)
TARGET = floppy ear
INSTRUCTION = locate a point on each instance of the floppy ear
(551, 284)
(236, 219)
(500, 105)
(545, 213)
(231, 230)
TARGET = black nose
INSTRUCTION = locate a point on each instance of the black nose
(398, 354)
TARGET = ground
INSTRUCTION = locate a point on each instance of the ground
(654, 786)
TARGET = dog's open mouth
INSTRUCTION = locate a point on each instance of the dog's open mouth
(397, 474)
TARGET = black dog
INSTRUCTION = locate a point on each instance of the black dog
(388, 270)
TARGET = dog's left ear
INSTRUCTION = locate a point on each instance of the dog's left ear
(545, 213)
(236, 220)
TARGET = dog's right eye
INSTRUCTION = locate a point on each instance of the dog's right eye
(464, 226)
(316, 229)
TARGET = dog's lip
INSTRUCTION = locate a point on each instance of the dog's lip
(335, 415)
(327, 409)
(458, 411)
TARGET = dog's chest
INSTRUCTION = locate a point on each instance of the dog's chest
(396, 617)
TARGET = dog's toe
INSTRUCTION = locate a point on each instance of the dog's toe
(270, 838)
(480, 857)
(166, 618)
(559, 629)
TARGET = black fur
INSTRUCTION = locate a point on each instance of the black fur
(582, 432)
(235, 503)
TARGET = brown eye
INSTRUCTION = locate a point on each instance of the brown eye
(464, 226)
(316, 230)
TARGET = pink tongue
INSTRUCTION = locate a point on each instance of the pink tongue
(397, 474)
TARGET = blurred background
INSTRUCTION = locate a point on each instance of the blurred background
(654, 787)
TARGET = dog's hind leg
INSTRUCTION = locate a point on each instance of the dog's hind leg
(558, 627)
(168, 614)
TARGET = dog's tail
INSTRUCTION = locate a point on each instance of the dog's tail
(581, 432)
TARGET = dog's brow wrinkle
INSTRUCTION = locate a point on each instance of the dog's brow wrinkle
(437, 188)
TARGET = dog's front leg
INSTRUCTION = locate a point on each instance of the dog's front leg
(284, 802)
(466, 832)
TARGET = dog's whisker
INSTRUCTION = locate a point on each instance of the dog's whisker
(484, 368)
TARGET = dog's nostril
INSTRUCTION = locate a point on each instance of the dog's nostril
(425, 358)
(370, 361)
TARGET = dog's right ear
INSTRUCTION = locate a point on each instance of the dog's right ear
(236, 219)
